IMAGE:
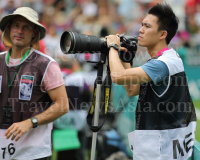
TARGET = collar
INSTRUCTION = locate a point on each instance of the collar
(161, 51)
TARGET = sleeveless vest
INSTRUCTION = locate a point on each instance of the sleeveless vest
(166, 122)
(27, 100)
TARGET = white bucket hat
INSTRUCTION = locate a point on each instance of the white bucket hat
(30, 15)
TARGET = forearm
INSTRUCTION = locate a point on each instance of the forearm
(122, 73)
(118, 69)
(131, 90)
(53, 112)
(59, 108)
(116, 66)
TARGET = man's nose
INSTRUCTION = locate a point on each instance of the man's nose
(141, 30)
(20, 29)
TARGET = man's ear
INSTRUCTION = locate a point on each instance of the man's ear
(163, 34)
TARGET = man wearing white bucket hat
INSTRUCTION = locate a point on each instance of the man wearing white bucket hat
(29, 82)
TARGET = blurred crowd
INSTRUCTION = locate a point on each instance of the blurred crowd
(103, 17)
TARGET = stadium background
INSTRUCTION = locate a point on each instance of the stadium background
(104, 17)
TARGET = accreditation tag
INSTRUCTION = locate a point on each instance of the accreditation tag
(0, 83)
(26, 87)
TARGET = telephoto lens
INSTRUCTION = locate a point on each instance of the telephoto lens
(72, 43)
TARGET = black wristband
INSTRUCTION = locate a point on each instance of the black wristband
(115, 46)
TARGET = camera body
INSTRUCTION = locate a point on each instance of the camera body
(72, 43)
(130, 43)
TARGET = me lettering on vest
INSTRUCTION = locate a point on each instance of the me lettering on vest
(30, 99)
(165, 114)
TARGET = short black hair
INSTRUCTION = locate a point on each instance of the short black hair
(167, 19)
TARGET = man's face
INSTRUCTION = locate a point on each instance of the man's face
(148, 33)
(21, 32)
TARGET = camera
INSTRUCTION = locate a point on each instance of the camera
(72, 43)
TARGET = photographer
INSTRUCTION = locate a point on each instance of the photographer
(29, 82)
(165, 114)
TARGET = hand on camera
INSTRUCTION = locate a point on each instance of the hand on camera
(113, 39)
(123, 49)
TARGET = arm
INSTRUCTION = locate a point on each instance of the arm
(58, 95)
(134, 89)
(131, 90)
(59, 108)
(123, 76)
(122, 73)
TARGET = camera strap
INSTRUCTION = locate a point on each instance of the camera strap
(106, 86)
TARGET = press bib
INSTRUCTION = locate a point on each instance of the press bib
(34, 144)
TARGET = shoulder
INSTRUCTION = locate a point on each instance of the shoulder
(43, 55)
(3, 53)
(170, 54)
(154, 64)
(156, 70)
(173, 61)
